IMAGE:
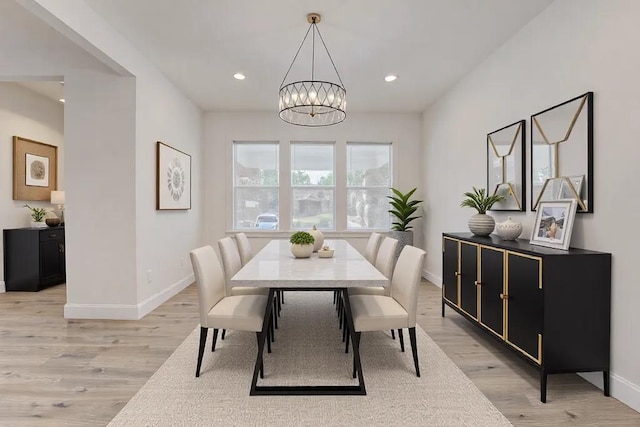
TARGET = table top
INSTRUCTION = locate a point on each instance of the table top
(275, 267)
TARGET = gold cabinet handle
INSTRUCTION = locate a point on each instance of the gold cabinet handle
(456, 274)
(504, 296)
(477, 283)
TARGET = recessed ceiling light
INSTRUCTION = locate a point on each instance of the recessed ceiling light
(239, 76)
(61, 100)
(390, 78)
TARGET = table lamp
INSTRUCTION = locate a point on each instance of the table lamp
(57, 198)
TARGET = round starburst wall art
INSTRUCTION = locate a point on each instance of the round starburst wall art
(173, 179)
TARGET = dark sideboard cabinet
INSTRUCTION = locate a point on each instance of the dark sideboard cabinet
(34, 258)
(552, 307)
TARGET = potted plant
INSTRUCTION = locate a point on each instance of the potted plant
(404, 212)
(301, 244)
(481, 224)
(37, 214)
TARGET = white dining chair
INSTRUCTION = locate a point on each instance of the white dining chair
(371, 251)
(384, 262)
(396, 311)
(218, 311)
(244, 247)
(232, 264)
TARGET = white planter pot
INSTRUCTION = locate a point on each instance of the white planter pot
(481, 224)
(39, 224)
(302, 251)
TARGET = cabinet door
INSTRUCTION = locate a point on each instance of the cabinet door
(51, 261)
(524, 303)
(450, 270)
(468, 276)
(491, 286)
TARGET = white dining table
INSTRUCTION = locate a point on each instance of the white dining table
(274, 267)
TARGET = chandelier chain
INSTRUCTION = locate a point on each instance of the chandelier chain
(296, 57)
(330, 58)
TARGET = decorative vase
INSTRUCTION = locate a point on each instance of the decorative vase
(509, 230)
(302, 251)
(318, 238)
(404, 238)
(481, 224)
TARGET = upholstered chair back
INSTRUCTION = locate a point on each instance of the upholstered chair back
(371, 251)
(209, 279)
(230, 257)
(406, 280)
(244, 247)
(386, 256)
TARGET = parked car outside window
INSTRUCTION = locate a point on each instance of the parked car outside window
(267, 222)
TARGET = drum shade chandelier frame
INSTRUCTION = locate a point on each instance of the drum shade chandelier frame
(312, 102)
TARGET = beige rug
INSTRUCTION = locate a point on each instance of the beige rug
(309, 351)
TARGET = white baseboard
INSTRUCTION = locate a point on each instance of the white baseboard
(623, 390)
(432, 278)
(2, 287)
(125, 311)
(155, 301)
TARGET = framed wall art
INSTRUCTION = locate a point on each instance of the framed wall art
(506, 165)
(562, 153)
(173, 178)
(35, 169)
(554, 223)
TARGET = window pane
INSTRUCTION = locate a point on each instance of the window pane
(313, 207)
(312, 164)
(256, 164)
(256, 208)
(368, 165)
(368, 208)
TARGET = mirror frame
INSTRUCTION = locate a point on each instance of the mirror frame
(518, 143)
(588, 147)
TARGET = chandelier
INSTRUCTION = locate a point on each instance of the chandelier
(312, 102)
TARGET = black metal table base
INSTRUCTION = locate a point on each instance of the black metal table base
(324, 390)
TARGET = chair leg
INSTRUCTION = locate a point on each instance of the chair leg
(273, 331)
(258, 334)
(401, 336)
(414, 348)
(203, 341)
(346, 347)
(356, 338)
(393, 334)
(215, 338)
(224, 332)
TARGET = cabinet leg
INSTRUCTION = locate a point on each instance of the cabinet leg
(442, 308)
(543, 386)
(605, 377)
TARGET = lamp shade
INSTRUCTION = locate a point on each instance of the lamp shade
(57, 197)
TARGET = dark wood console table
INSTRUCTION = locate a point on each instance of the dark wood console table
(552, 307)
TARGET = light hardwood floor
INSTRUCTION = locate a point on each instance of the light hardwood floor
(58, 372)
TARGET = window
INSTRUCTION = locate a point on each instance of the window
(312, 186)
(255, 186)
(368, 182)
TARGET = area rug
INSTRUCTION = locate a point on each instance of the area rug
(309, 351)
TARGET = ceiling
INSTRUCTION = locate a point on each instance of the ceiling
(48, 89)
(429, 44)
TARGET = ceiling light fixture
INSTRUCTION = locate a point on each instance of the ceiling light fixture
(239, 76)
(390, 78)
(312, 102)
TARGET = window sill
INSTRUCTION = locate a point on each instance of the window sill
(329, 234)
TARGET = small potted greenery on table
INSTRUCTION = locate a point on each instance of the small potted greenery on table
(301, 244)
(481, 224)
(37, 214)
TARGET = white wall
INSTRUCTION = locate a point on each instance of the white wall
(32, 116)
(572, 47)
(222, 128)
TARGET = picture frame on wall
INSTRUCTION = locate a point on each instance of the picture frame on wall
(554, 223)
(173, 178)
(35, 169)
